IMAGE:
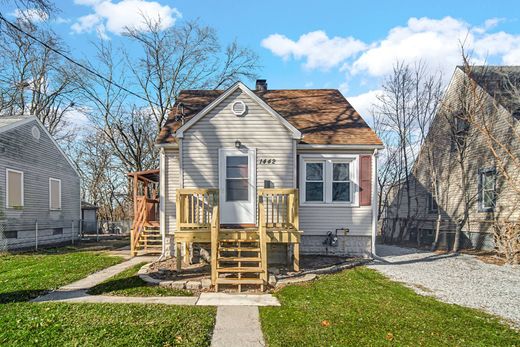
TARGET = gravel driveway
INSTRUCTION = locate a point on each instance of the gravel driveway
(459, 279)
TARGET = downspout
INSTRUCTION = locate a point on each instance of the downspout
(374, 202)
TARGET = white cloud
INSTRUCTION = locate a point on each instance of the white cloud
(32, 14)
(434, 42)
(315, 47)
(363, 103)
(115, 17)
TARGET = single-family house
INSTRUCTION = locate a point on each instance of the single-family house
(467, 174)
(39, 186)
(264, 176)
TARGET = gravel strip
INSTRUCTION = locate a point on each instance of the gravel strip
(455, 278)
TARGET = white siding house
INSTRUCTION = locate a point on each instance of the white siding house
(311, 140)
(39, 186)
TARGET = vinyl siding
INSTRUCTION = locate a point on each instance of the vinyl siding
(220, 128)
(172, 181)
(322, 219)
(39, 160)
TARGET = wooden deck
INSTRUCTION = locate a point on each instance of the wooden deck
(238, 254)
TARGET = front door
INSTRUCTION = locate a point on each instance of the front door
(237, 184)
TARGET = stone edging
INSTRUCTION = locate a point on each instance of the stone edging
(191, 284)
(274, 281)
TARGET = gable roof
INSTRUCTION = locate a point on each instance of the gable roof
(323, 116)
(12, 122)
(501, 82)
(238, 85)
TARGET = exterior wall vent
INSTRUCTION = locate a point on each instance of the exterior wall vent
(35, 132)
(238, 108)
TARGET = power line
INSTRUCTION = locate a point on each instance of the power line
(86, 68)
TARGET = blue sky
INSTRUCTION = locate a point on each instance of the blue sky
(350, 45)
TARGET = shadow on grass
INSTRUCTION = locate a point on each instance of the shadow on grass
(20, 296)
(118, 284)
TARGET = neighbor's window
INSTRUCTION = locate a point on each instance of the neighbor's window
(14, 190)
(487, 191)
(326, 181)
(54, 194)
(314, 174)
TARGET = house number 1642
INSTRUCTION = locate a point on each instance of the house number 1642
(267, 161)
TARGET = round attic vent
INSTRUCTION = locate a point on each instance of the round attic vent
(35, 132)
(238, 108)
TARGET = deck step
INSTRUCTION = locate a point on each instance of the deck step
(240, 269)
(240, 281)
(238, 241)
(237, 259)
(238, 249)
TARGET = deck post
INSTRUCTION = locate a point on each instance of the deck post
(178, 259)
(215, 226)
(187, 252)
(296, 255)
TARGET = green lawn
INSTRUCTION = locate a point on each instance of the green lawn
(360, 307)
(25, 276)
(29, 324)
(127, 283)
(59, 324)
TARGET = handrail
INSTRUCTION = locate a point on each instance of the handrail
(215, 229)
(195, 207)
(263, 238)
(281, 207)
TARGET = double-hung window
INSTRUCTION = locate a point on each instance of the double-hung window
(14, 189)
(327, 179)
(54, 194)
(487, 190)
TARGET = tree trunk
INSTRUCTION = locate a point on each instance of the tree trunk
(435, 243)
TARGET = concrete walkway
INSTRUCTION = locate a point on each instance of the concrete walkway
(237, 326)
(78, 289)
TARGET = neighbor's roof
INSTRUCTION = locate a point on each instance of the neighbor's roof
(8, 120)
(323, 116)
(502, 83)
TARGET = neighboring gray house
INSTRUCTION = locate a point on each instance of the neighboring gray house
(39, 186)
(477, 127)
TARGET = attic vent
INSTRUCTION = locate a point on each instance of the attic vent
(238, 108)
(35, 133)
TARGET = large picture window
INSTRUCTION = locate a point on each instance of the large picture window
(14, 191)
(328, 180)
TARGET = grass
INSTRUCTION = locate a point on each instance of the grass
(26, 276)
(360, 307)
(28, 324)
(127, 283)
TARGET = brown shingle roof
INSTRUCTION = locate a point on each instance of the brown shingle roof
(323, 116)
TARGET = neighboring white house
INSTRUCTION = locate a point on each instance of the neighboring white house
(241, 141)
(39, 186)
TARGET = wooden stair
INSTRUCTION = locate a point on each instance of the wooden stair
(239, 263)
(150, 240)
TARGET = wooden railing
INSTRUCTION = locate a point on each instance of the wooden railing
(262, 233)
(195, 208)
(281, 208)
(140, 218)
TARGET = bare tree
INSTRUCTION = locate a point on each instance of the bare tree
(35, 80)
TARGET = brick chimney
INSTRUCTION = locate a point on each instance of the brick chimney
(261, 85)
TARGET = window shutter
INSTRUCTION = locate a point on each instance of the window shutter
(365, 180)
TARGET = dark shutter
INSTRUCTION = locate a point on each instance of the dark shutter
(365, 180)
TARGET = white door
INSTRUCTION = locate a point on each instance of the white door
(237, 184)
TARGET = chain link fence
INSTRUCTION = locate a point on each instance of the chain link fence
(34, 234)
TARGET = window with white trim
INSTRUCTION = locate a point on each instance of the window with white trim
(487, 189)
(14, 189)
(54, 194)
(328, 179)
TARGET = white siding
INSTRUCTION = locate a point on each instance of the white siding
(221, 128)
(322, 219)
(171, 166)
